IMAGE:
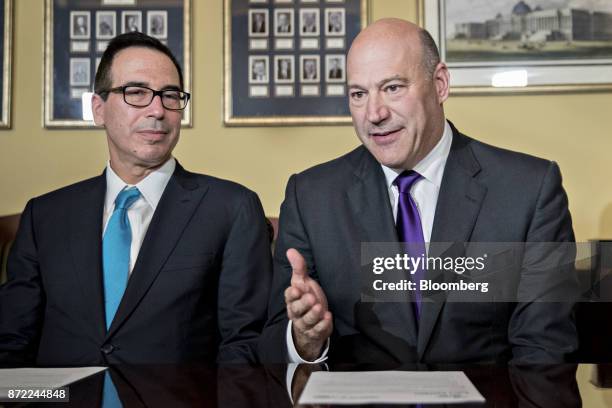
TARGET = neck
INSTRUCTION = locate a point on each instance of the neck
(133, 174)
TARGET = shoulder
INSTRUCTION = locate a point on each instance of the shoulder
(71, 192)
(338, 169)
(505, 173)
(224, 190)
(500, 163)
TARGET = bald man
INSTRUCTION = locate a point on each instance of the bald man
(459, 191)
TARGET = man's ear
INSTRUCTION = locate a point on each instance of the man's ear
(441, 79)
(97, 108)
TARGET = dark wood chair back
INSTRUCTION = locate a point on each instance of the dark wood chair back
(8, 229)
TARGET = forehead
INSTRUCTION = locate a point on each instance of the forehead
(146, 65)
(383, 59)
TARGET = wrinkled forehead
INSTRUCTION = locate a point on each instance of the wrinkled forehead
(383, 56)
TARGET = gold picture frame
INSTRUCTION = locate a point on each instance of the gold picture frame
(6, 8)
(291, 106)
(491, 55)
(85, 43)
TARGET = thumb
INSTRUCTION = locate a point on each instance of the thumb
(299, 273)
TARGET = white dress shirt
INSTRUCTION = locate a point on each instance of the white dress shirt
(141, 212)
(425, 194)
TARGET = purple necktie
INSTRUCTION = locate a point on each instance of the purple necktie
(409, 228)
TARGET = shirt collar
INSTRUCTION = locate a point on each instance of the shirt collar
(151, 187)
(432, 165)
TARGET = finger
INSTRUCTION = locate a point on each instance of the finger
(322, 329)
(292, 294)
(317, 291)
(307, 322)
(298, 265)
(299, 307)
(313, 316)
(318, 333)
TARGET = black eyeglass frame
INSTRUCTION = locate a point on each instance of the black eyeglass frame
(121, 89)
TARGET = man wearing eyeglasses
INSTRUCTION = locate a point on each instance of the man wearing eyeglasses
(146, 263)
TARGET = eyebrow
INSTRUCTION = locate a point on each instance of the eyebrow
(146, 84)
(382, 82)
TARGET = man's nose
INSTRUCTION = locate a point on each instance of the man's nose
(377, 110)
(156, 107)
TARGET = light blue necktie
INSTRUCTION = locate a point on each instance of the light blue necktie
(116, 252)
(110, 397)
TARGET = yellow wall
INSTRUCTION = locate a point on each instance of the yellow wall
(572, 129)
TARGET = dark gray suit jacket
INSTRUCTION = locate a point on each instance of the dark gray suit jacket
(487, 195)
(198, 291)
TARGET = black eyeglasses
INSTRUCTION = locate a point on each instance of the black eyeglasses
(141, 96)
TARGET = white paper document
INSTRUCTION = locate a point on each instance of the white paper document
(389, 387)
(50, 378)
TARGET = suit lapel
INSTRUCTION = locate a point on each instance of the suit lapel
(181, 198)
(85, 228)
(459, 203)
(369, 201)
(371, 209)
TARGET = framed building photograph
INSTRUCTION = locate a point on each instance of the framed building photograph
(523, 46)
(77, 33)
(6, 61)
(285, 60)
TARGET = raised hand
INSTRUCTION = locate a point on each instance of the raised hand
(307, 309)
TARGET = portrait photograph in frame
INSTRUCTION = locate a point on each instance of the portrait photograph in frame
(6, 61)
(284, 69)
(296, 89)
(131, 21)
(283, 22)
(76, 35)
(309, 22)
(335, 68)
(258, 22)
(523, 46)
(80, 25)
(106, 24)
(157, 24)
(310, 68)
(334, 21)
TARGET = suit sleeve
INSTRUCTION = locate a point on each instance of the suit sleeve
(542, 327)
(22, 297)
(244, 283)
(292, 234)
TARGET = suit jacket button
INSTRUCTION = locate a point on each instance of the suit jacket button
(107, 348)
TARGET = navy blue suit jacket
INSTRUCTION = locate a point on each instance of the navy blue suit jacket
(197, 293)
